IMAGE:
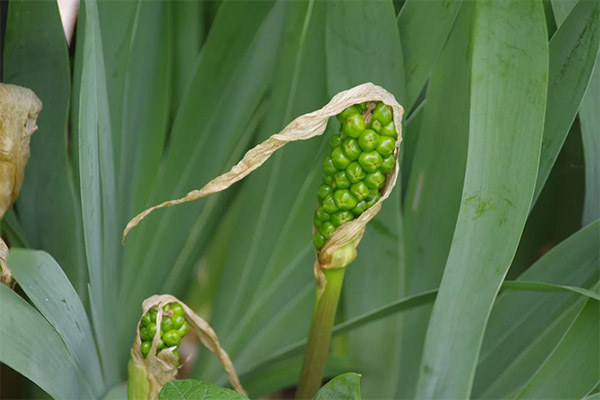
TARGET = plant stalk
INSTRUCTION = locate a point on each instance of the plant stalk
(320, 334)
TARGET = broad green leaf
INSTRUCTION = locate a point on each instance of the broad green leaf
(422, 40)
(189, 389)
(32, 347)
(502, 161)
(590, 126)
(573, 368)
(525, 327)
(49, 289)
(573, 51)
(353, 32)
(343, 387)
(561, 9)
(265, 297)
(97, 182)
(230, 79)
(48, 207)
(434, 189)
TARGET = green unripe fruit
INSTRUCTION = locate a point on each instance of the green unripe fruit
(382, 113)
(328, 167)
(183, 328)
(153, 315)
(355, 173)
(327, 229)
(322, 215)
(145, 348)
(166, 308)
(146, 319)
(329, 205)
(360, 207)
(344, 200)
(351, 149)
(370, 161)
(389, 130)
(368, 140)
(341, 217)
(373, 198)
(177, 309)
(171, 338)
(360, 190)
(385, 147)
(166, 324)
(375, 125)
(144, 334)
(319, 240)
(335, 141)
(354, 125)
(178, 321)
(341, 180)
(362, 106)
(151, 330)
(327, 179)
(375, 180)
(344, 115)
(340, 160)
(324, 191)
(316, 221)
(388, 164)
(160, 346)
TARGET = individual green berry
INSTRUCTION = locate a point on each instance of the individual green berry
(375, 125)
(161, 345)
(351, 148)
(171, 338)
(347, 113)
(368, 140)
(354, 125)
(178, 321)
(144, 334)
(355, 173)
(327, 229)
(183, 328)
(177, 309)
(324, 191)
(329, 205)
(151, 330)
(335, 141)
(360, 207)
(328, 167)
(375, 180)
(344, 200)
(373, 198)
(382, 113)
(360, 190)
(386, 145)
(152, 315)
(167, 308)
(340, 160)
(388, 164)
(322, 215)
(146, 319)
(145, 348)
(362, 106)
(389, 130)
(341, 180)
(316, 221)
(370, 161)
(166, 324)
(327, 179)
(318, 240)
(341, 217)
(176, 354)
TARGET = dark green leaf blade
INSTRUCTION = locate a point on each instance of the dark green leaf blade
(48, 207)
(190, 389)
(499, 182)
(342, 387)
(33, 348)
(48, 288)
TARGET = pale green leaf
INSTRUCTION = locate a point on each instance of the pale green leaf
(343, 387)
(189, 389)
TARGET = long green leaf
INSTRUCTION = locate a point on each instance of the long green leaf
(422, 41)
(525, 327)
(36, 57)
(434, 188)
(500, 177)
(33, 348)
(573, 368)
(97, 182)
(50, 291)
(573, 51)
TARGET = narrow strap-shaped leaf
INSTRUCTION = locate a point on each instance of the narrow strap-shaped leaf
(33, 348)
(548, 287)
(46, 285)
(500, 177)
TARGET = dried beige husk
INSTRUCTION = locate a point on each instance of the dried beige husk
(340, 249)
(19, 110)
(148, 375)
(6, 277)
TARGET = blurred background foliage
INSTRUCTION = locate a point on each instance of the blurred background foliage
(500, 178)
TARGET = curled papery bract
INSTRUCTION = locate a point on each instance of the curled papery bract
(147, 375)
(19, 110)
(6, 277)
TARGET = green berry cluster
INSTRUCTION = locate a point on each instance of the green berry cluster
(355, 172)
(173, 328)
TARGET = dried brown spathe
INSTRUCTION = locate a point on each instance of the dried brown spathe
(19, 109)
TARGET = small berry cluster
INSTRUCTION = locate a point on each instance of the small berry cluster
(355, 172)
(173, 328)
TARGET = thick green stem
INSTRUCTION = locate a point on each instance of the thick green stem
(320, 334)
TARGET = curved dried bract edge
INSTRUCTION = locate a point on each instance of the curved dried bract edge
(302, 128)
(6, 277)
(162, 368)
(19, 110)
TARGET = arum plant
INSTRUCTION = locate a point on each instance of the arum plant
(358, 176)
